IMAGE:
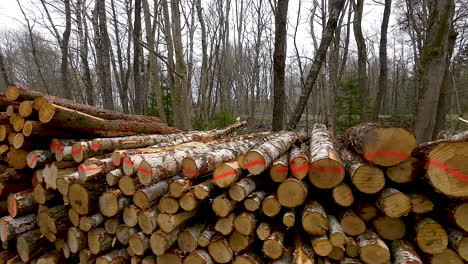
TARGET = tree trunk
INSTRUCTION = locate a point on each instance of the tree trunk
(3, 70)
(64, 47)
(382, 83)
(137, 82)
(204, 67)
(362, 60)
(319, 58)
(279, 58)
(83, 39)
(432, 66)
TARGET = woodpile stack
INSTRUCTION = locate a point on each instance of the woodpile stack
(105, 194)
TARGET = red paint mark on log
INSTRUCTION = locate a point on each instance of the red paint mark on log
(224, 175)
(128, 161)
(304, 167)
(145, 171)
(95, 146)
(76, 152)
(11, 207)
(282, 170)
(254, 163)
(89, 167)
(447, 169)
(189, 173)
(60, 149)
(33, 160)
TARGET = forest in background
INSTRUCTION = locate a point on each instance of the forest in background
(199, 64)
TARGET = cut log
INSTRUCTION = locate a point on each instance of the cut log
(279, 168)
(372, 250)
(337, 254)
(31, 245)
(351, 247)
(205, 237)
(365, 177)
(130, 215)
(220, 251)
(273, 246)
(222, 205)
(84, 196)
(39, 158)
(112, 202)
(89, 222)
(56, 115)
(188, 238)
(431, 237)
(11, 227)
(179, 186)
(95, 167)
(5, 255)
(352, 224)
(52, 173)
(389, 228)
(292, 192)
(367, 211)
(21, 203)
(381, 144)
(303, 253)
(147, 219)
(168, 204)
(337, 235)
(322, 245)
(271, 206)
(404, 253)
(116, 256)
(41, 195)
(227, 174)
(86, 257)
(82, 150)
(63, 181)
(299, 161)
(254, 200)
(172, 256)
(5, 130)
(314, 219)
(446, 256)
(445, 164)
(289, 218)
(160, 241)
(239, 242)
(113, 176)
(74, 217)
(9, 187)
(53, 257)
(394, 203)
(151, 259)
(343, 195)
(326, 169)
(199, 256)
(139, 243)
(128, 185)
(168, 223)
(420, 203)
(76, 239)
(245, 223)
(17, 158)
(53, 222)
(225, 225)
(261, 157)
(242, 188)
(188, 201)
(26, 108)
(263, 230)
(111, 225)
(99, 240)
(459, 215)
(148, 196)
(406, 171)
(124, 233)
(40, 130)
(204, 189)
(459, 242)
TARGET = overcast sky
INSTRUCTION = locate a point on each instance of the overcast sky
(12, 18)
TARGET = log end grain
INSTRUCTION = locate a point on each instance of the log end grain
(254, 162)
(292, 193)
(326, 173)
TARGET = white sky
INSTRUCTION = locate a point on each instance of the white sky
(12, 18)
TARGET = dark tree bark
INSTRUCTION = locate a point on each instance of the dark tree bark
(362, 59)
(319, 58)
(136, 59)
(382, 83)
(83, 37)
(204, 66)
(279, 58)
(3, 70)
(64, 48)
(432, 66)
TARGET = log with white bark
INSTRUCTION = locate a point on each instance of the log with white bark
(168, 223)
(11, 227)
(21, 203)
(404, 253)
(87, 222)
(254, 200)
(112, 201)
(99, 240)
(314, 219)
(372, 250)
(31, 245)
(160, 241)
(53, 222)
(188, 238)
(279, 168)
(147, 219)
(299, 161)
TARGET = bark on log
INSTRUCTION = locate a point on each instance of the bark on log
(168, 223)
(113, 176)
(187, 240)
(337, 235)
(326, 169)
(21, 203)
(459, 242)
(116, 256)
(147, 219)
(31, 245)
(9, 187)
(299, 161)
(148, 196)
(261, 157)
(204, 189)
(53, 222)
(89, 222)
(322, 245)
(404, 253)
(39, 158)
(279, 168)
(351, 247)
(273, 246)
(314, 219)
(205, 237)
(160, 241)
(394, 203)
(222, 205)
(352, 224)
(139, 243)
(254, 200)
(381, 144)
(76, 239)
(372, 250)
(99, 240)
(95, 167)
(225, 225)
(84, 196)
(292, 192)
(188, 201)
(199, 256)
(220, 251)
(124, 233)
(112, 202)
(11, 227)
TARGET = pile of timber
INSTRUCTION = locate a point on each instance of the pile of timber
(373, 196)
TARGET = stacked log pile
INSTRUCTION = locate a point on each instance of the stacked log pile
(373, 196)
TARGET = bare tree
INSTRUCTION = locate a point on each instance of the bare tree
(432, 66)
(204, 66)
(3, 70)
(279, 58)
(137, 51)
(319, 58)
(83, 47)
(362, 58)
(382, 83)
